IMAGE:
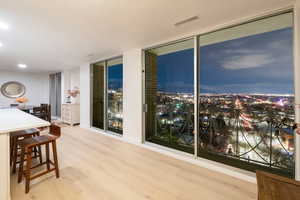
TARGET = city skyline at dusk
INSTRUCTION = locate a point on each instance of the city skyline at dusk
(257, 64)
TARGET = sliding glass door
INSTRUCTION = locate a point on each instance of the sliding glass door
(244, 85)
(98, 94)
(169, 95)
(107, 95)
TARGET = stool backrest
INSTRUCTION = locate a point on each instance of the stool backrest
(274, 187)
(55, 130)
(37, 110)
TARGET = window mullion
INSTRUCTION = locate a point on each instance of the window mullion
(196, 95)
(105, 97)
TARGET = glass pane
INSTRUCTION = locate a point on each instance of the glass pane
(115, 95)
(98, 95)
(169, 95)
(246, 100)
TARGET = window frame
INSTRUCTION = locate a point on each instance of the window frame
(197, 67)
(105, 104)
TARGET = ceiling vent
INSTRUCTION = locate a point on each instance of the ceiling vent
(186, 21)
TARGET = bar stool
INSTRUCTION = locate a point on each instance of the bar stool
(15, 138)
(27, 145)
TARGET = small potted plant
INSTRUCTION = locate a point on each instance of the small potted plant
(22, 101)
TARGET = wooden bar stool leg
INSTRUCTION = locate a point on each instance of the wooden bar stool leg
(39, 149)
(28, 169)
(35, 152)
(15, 154)
(11, 150)
(20, 175)
(40, 154)
(47, 157)
(55, 158)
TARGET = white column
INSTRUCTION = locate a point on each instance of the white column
(132, 96)
(4, 167)
(297, 82)
(85, 100)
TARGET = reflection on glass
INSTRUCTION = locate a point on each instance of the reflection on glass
(115, 95)
(246, 94)
(169, 95)
(98, 95)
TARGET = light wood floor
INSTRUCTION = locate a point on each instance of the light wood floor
(97, 167)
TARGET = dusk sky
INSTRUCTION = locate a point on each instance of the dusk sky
(260, 63)
(115, 76)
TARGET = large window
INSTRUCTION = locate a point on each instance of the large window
(108, 95)
(115, 95)
(246, 99)
(245, 95)
(169, 95)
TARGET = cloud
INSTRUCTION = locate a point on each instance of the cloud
(241, 51)
(256, 64)
(248, 88)
(256, 52)
(275, 52)
(246, 61)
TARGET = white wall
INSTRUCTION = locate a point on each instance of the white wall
(70, 80)
(132, 95)
(85, 95)
(75, 78)
(37, 86)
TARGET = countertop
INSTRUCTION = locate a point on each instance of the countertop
(14, 120)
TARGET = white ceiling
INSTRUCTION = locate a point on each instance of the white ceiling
(60, 34)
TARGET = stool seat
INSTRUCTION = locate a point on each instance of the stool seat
(26, 132)
(39, 140)
(15, 138)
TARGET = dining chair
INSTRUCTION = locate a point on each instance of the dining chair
(39, 112)
(47, 110)
(27, 146)
(274, 187)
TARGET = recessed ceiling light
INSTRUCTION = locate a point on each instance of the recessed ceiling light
(4, 26)
(1, 45)
(22, 66)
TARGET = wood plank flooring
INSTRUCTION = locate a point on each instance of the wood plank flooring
(97, 167)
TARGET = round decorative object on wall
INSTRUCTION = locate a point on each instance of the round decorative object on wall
(13, 89)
